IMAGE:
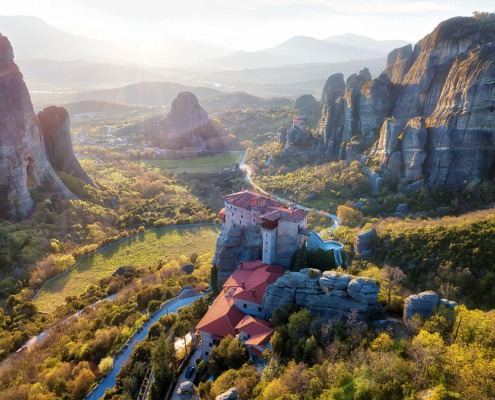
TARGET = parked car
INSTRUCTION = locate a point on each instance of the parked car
(190, 372)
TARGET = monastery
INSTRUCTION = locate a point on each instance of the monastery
(248, 208)
(237, 310)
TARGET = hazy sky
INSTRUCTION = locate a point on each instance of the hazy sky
(245, 24)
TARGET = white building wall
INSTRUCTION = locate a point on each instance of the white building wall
(206, 340)
(250, 308)
(269, 253)
(237, 216)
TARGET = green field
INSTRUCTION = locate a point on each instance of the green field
(142, 250)
(215, 163)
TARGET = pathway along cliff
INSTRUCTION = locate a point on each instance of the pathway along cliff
(247, 168)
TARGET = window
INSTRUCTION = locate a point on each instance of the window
(259, 309)
(244, 305)
(206, 353)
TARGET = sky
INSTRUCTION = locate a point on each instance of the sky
(244, 24)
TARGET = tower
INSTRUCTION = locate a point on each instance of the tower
(269, 236)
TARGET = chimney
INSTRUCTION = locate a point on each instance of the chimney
(253, 293)
(241, 265)
(243, 285)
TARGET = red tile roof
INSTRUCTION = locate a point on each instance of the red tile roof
(258, 330)
(222, 317)
(249, 199)
(269, 208)
(251, 279)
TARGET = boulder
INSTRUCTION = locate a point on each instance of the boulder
(422, 304)
(447, 303)
(402, 209)
(187, 269)
(363, 244)
(230, 394)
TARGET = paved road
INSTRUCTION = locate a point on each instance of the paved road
(249, 179)
(182, 377)
(184, 299)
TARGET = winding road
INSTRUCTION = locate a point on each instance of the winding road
(184, 298)
(249, 179)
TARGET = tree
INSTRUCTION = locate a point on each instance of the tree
(163, 364)
(230, 353)
(392, 277)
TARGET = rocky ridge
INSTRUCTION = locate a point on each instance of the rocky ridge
(428, 119)
(23, 160)
(330, 294)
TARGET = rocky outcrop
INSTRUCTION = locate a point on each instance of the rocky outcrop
(307, 106)
(55, 128)
(330, 294)
(429, 117)
(234, 245)
(230, 394)
(187, 391)
(188, 126)
(245, 243)
(363, 244)
(23, 160)
(423, 305)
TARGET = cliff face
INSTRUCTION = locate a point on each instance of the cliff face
(430, 116)
(23, 162)
(55, 128)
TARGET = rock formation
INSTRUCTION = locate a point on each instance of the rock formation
(55, 128)
(307, 106)
(363, 244)
(230, 394)
(187, 391)
(423, 304)
(330, 294)
(23, 160)
(429, 118)
(188, 126)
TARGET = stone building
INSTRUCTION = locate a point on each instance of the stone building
(238, 310)
(278, 224)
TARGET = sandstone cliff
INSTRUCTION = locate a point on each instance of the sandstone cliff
(330, 294)
(55, 128)
(23, 162)
(429, 118)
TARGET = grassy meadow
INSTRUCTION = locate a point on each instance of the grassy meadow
(214, 163)
(144, 249)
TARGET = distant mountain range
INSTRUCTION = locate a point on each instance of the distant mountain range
(147, 93)
(304, 50)
(32, 38)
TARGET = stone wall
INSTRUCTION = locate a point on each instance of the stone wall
(330, 294)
